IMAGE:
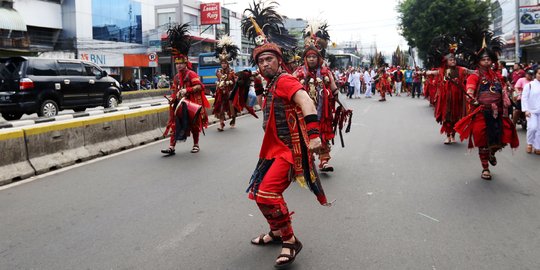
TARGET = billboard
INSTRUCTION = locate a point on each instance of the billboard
(529, 19)
(210, 13)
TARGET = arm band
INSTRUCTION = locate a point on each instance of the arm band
(312, 126)
(311, 118)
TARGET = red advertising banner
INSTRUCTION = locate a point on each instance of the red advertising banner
(210, 13)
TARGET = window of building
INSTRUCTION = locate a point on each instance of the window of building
(119, 21)
(166, 18)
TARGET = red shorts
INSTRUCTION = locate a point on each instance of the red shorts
(274, 183)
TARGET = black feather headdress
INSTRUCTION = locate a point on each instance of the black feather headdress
(480, 43)
(226, 50)
(264, 25)
(441, 49)
(316, 37)
(180, 41)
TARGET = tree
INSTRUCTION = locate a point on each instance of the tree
(422, 20)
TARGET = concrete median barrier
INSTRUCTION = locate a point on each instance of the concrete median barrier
(163, 117)
(142, 126)
(104, 135)
(54, 145)
(14, 163)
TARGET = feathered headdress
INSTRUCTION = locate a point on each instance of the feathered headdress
(442, 48)
(316, 38)
(265, 27)
(380, 60)
(226, 50)
(180, 42)
(481, 43)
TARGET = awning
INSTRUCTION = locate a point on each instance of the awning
(10, 19)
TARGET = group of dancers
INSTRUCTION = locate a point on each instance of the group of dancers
(469, 94)
(302, 111)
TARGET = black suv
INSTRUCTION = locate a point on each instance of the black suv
(46, 86)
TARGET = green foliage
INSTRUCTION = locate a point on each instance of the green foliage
(422, 20)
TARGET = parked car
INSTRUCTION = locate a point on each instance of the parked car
(46, 86)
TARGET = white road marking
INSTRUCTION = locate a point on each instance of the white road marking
(177, 239)
(95, 112)
(63, 117)
(434, 219)
(22, 123)
(366, 109)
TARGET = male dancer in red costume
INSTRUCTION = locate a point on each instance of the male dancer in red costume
(487, 126)
(319, 83)
(382, 83)
(291, 133)
(450, 103)
(186, 85)
(226, 51)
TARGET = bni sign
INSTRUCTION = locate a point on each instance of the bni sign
(210, 13)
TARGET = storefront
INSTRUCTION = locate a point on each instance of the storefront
(128, 69)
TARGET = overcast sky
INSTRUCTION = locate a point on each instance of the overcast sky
(366, 20)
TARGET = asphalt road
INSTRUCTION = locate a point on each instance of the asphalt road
(404, 201)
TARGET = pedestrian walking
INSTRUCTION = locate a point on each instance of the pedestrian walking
(530, 105)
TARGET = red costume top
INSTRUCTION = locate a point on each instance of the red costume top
(187, 79)
(430, 88)
(224, 86)
(286, 137)
(317, 84)
(451, 95)
(383, 84)
(488, 125)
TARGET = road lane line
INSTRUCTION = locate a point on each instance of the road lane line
(434, 219)
(176, 240)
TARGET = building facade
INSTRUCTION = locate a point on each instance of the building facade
(504, 25)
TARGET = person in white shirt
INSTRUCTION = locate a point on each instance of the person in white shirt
(367, 81)
(372, 74)
(351, 83)
(357, 83)
(504, 71)
(530, 105)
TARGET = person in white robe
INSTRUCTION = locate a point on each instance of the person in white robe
(530, 105)
(357, 83)
(367, 81)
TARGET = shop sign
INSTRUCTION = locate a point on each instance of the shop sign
(102, 58)
(210, 13)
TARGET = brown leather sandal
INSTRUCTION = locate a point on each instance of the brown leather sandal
(448, 140)
(195, 149)
(296, 247)
(492, 160)
(260, 240)
(486, 174)
(325, 167)
(221, 127)
(169, 151)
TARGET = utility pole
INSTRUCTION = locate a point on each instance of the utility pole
(179, 21)
(517, 32)
(180, 12)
